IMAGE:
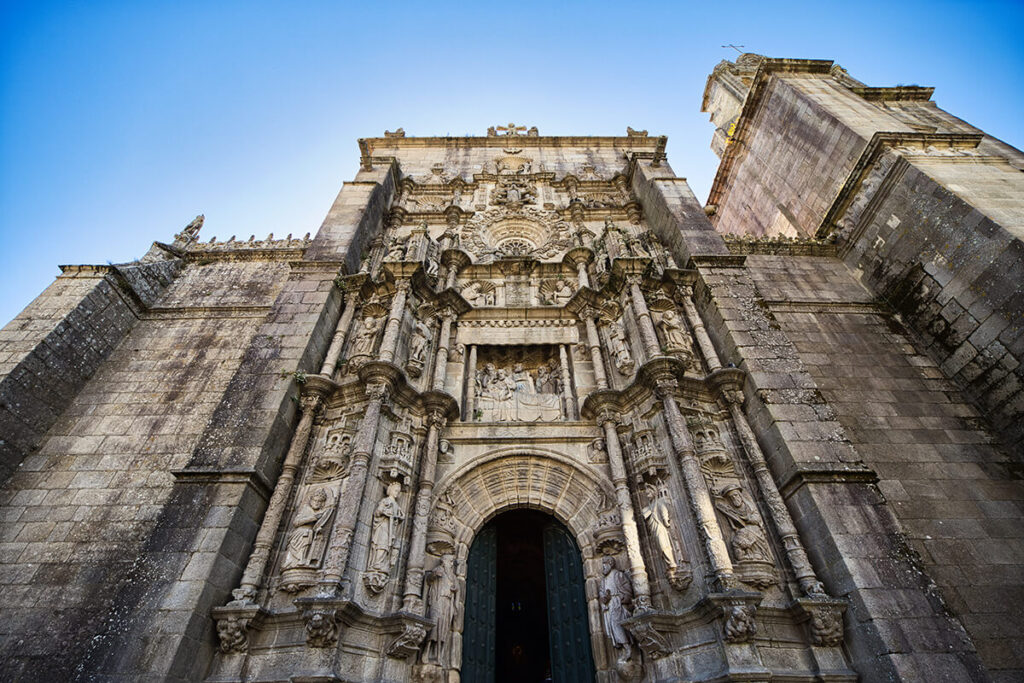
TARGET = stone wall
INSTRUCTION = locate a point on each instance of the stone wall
(50, 350)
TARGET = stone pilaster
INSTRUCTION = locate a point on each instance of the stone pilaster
(412, 600)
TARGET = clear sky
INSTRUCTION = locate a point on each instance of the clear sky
(120, 121)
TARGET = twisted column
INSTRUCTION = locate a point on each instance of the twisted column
(340, 334)
(643, 318)
(255, 568)
(688, 468)
(637, 569)
(394, 324)
(353, 489)
(412, 599)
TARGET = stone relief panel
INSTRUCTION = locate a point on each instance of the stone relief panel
(387, 519)
(518, 384)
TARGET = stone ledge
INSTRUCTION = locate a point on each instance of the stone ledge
(827, 473)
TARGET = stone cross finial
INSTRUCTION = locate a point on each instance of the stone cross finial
(511, 129)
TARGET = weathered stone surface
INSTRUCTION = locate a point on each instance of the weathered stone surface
(262, 459)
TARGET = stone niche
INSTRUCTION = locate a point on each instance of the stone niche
(518, 384)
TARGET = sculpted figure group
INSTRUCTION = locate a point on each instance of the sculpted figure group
(512, 394)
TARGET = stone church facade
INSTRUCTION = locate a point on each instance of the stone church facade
(773, 437)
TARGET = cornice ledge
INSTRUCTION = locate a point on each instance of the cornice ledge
(826, 473)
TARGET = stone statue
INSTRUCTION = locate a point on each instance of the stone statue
(396, 251)
(676, 338)
(366, 337)
(442, 601)
(620, 350)
(386, 519)
(748, 540)
(308, 531)
(562, 293)
(418, 344)
(523, 380)
(616, 602)
(659, 521)
(191, 231)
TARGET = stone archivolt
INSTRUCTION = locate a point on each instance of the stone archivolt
(569, 331)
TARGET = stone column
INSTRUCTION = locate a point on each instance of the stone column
(594, 344)
(802, 568)
(637, 569)
(570, 402)
(394, 324)
(688, 469)
(353, 489)
(470, 383)
(252, 577)
(412, 600)
(340, 334)
(703, 340)
(643, 318)
(444, 341)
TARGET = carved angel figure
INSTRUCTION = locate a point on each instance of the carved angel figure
(616, 602)
(307, 531)
(748, 540)
(386, 519)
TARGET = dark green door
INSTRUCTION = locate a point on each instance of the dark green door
(526, 612)
(568, 628)
(481, 590)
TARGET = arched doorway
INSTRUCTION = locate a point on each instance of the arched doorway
(526, 613)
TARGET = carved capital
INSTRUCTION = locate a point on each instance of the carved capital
(310, 402)
(402, 285)
(321, 627)
(733, 396)
(608, 415)
(436, 418)
(377, 392)
(824, 620)
(666, 388)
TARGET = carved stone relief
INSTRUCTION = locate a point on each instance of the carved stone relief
(555, 292)
(658, 515)
(616, 597)
(513, 386)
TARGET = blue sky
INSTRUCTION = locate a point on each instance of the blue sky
(120, 121)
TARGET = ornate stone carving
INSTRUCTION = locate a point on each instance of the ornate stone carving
(608, 536)
(651, 641)
(510, 394)
(321, 627)
(555, 292)
(597, 453)
(332, 463)
(621, 356)
(409, 641)
(513, 192)
(740, 626)
(232, 633)
(191, 231)
(826, 626)
(675, 336)
(366, 336)
(417, 349)
(616, 603)
(479, 293)
(397, 249)
(658, 514)
(524, 231)
(387, 517)
(749, 544)
(443, 603)
(635, 133)
(307, 540)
